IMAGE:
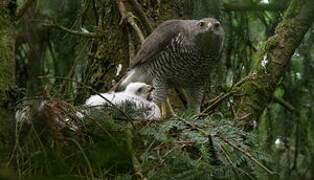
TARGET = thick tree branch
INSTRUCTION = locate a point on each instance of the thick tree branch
(274, 57)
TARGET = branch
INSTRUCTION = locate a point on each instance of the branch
(246, 153)
(248, 6)
(249, 155)
(217, 100)
(139, 11)
(125, 14)
(21, 11)
(285, 104)
(276, 53)
(213, 103)
(70, 31)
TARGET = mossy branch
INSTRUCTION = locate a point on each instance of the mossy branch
(273, 60)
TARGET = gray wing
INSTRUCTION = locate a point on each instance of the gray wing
(157, 41)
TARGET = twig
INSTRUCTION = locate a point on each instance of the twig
(90, 88)
(214, 103)
(194, 126)
(243, 80)
(218, 101)
(138, 9)
(234, 169)
(285, 104)
(125, 14)
(249, 155)
(243, 117)
(77, 33)
(222, 96)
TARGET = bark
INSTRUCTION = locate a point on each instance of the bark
(7, 77)
(273, 59)
(7, 57)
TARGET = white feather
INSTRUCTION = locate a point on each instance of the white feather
(128, 95)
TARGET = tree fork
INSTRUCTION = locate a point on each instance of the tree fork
(273, 59)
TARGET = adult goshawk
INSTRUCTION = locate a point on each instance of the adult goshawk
(178, 54)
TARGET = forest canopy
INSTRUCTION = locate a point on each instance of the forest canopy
(255, 120)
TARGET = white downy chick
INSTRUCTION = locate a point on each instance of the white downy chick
(138, 94)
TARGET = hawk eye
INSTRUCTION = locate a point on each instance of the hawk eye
(201, 24)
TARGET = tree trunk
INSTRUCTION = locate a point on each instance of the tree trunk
(7, 57)
(273, 58)
(7, 77)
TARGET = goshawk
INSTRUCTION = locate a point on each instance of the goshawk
(178, 54)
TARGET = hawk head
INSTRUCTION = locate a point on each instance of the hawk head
(208, 34)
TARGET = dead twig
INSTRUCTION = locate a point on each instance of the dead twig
(213, 103)
(243, 117)
(127, 15)
(141, 14)
(73, 32)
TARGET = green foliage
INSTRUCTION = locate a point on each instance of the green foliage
(177, 148)
(99, 148)
(197, 148)
(103, 144)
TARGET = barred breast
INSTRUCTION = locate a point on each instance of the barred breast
(180, 65)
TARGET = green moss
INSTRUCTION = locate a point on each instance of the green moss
(270, 44)
(293, 8)
(6, 51)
